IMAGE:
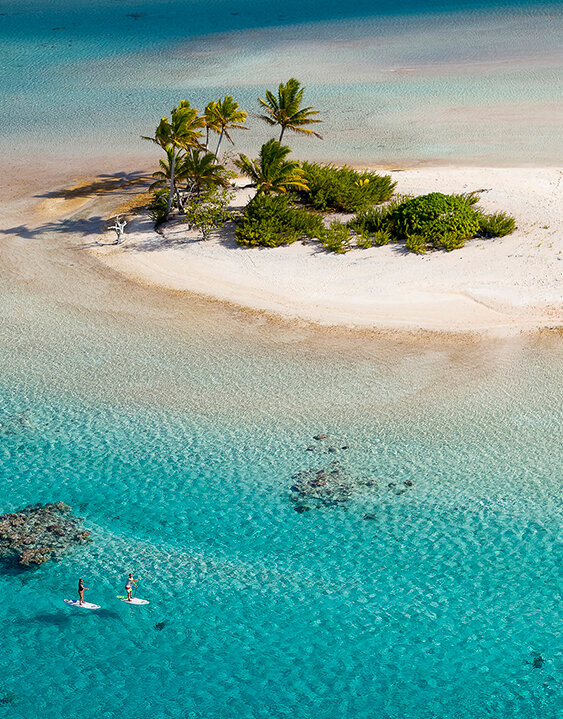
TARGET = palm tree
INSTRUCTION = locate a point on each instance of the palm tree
(226, 116)
(271, 172)
(162, 176)
(285, 109)
(210, 121)
(180, 132)
(200, 170)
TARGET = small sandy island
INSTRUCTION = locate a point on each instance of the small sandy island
(496, 286)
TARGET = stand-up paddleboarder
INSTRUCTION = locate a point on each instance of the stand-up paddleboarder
(129, 586)
(81, 589)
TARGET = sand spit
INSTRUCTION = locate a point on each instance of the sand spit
(497, 286)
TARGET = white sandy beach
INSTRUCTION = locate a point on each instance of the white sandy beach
(497, 286)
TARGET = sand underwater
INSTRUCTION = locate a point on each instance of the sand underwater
(176, 427)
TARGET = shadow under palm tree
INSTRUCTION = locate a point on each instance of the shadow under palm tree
(80, 227)
(98, 186)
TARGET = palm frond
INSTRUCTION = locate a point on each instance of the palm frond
(285, 110)
(271, 172)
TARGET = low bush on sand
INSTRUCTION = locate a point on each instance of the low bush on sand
(433, 221)
(498, 224)
(343, 189)
(271, 221)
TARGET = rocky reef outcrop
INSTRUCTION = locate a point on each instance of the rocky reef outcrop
(40, 532)
(14, 424)
(327, 486)
(334, 484)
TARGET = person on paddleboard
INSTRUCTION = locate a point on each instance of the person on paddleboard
(129, 586)
(81, 589)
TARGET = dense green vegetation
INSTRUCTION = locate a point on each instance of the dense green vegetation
(435, 216)
(192, 180)
(343, 189)
(433, 221)
(498, 224)
(444, 220)
(375, 219)
(271, 221)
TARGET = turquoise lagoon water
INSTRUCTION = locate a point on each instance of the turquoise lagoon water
(175, 427)
(177, 437)
(396, 83)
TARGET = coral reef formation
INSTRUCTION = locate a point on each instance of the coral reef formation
(40, 532)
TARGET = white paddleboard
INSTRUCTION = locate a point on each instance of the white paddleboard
(135, 600)
(84, 605)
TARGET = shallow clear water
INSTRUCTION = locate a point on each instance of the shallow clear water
(175, 426)
(177, 438)
(414, 82)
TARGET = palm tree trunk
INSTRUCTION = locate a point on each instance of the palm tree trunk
(281, 133)
(179, 199)
(219, 143)
(171, 192)
(207, 138)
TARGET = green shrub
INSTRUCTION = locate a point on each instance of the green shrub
(469, 198)
(307, 224)
(269, 221)
(498, 224)
(443, 220)
(157, 206)
(208, 210)
(451, 229)
(337, 238)
(265, 223)
(381, 237)
(375, 219)
(416, 243)
(363, 242)
(344, 189)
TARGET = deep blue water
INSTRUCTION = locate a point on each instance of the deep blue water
(88, 78)
(177, 437)
(135, 21)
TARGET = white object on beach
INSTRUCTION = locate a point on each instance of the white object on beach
(84, 605)
(135, 600)
(498, 287)
(119, 228)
